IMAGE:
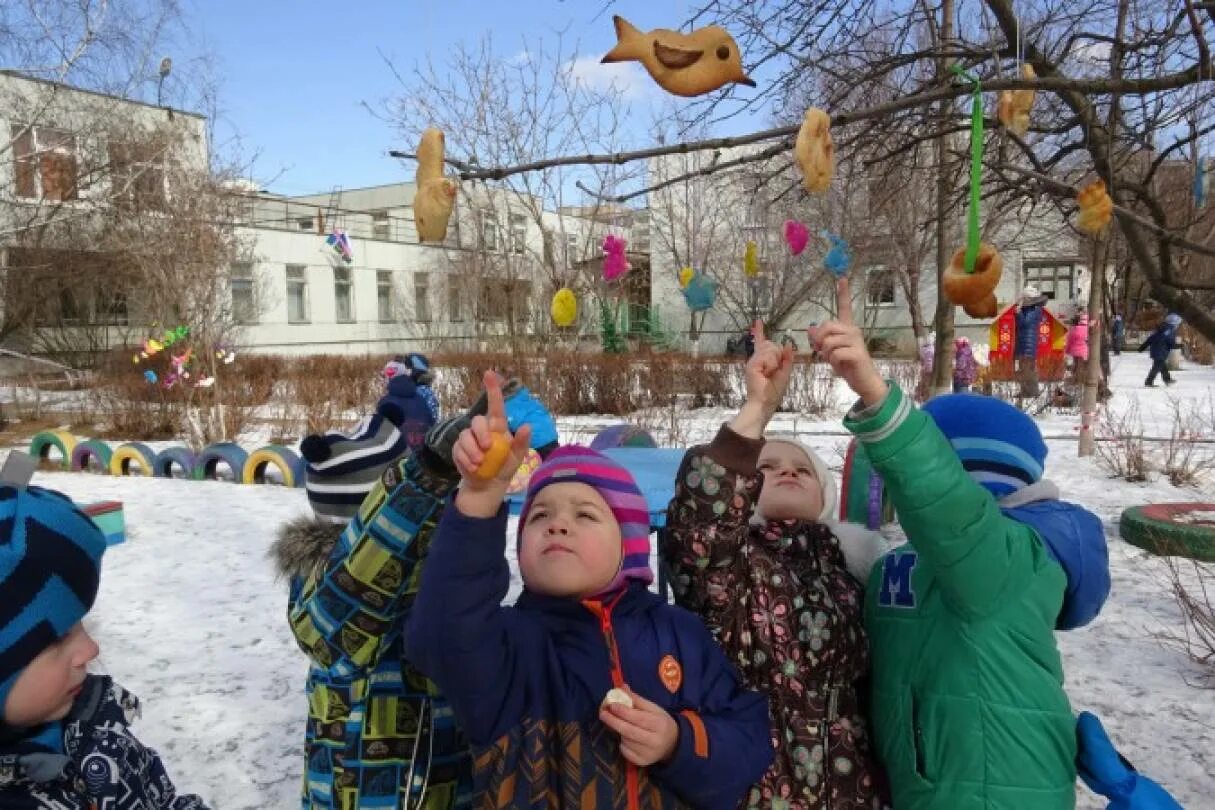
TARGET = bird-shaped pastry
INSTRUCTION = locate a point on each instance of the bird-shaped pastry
(1096, 208)
(435, 196)
(974, 292)
(687, 65)
(1015, 105)
(815, 151)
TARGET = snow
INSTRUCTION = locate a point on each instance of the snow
(192, 619)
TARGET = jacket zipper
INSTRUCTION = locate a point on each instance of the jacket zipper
(604, 611)
(833, 694)
(917, 733)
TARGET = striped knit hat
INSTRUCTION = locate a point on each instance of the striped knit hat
(574, 463)
(343, 467)
(999, 445)
(50, 565)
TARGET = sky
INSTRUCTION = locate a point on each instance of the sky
(294, 77)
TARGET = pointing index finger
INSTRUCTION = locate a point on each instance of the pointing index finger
(493, 392)
(757, 330)
(843, 301)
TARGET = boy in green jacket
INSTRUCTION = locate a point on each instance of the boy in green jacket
(968, 706)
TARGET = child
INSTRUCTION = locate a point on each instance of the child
(66, 741)
(1160, 344)
(965, 369)
(1076, 346)
(967, 703)
(419, 409)
(751, 551)
(417, 368)
(591, 691)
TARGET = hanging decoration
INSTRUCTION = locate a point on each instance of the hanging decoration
(688, 65)
(1096, 208)
(839, 256)
(1014, 105)
(751, 260)
(974, 271)
(797, 236)
(700, 293)
(815, 151)
(615, 263)
(179, 366)
(340, 242)
(564, 308)
(685, 275)
(435, 195)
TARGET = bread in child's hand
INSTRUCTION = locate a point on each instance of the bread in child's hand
(495, 457)
(617, 696)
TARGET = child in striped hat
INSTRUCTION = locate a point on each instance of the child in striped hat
(590, 686)
(65, 737)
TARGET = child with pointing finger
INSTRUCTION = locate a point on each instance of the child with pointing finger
(968, 707)
(589, 691)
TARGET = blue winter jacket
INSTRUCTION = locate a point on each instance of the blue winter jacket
(522, 408)
(526, 683)
(89, 760)
(1029, 321)
(418, 417)
(1162, 341)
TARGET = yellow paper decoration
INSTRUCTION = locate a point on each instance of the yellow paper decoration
(564, 308)
(685, 275)
(751, 260)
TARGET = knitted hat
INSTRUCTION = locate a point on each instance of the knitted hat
(999, 445)
(50, 564)
(822, 473)
(343, 467)
(1030, 291)
(615, 484)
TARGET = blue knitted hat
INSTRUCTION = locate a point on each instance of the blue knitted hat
(50, 565)
(999, 445)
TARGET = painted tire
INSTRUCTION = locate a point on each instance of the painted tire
(182, 457)
(863, 499)
(228, 453)
(623, 435)
(272, 455)
(92, 449)
(1173, 529)
(138, 452)
(61, 440)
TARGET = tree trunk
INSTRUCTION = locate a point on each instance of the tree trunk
(1096, 320)
(942, 361)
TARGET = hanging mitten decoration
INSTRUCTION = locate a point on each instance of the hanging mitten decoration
(839, 257)
(797, 236)
(751, 260)
(815, 151)
(564, 308)
(1014, 105)
(1096, 208)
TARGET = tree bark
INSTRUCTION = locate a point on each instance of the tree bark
(942, 360)
(1096, 321)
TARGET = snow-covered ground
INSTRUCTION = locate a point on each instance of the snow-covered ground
(191, 618)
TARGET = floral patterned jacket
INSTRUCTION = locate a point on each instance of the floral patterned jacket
(778, 598)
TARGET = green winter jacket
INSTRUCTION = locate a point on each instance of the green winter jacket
(968, 707)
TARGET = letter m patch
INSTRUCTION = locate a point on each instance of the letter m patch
(896, 581)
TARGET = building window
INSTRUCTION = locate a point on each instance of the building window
(641, 233)
(455, 306)
(1056, 280)
(304, 223)
(297, 293)
(45, 163)
(571, 247)
(112, 309)
(383, 295)
(137, 175)
(343, 295)
(381, 226)
(421, 297)
(503, 299)
(518, 232)
(489, 231)
(881, 287)
(240, 283)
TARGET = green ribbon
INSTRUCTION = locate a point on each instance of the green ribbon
(976, 167)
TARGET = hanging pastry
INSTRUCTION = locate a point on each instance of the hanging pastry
(815, 151)
(689, 64)
(974, 292)
(1096, 208)
(1014, 105)
(435, 195)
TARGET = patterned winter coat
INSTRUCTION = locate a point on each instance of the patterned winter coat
(965, 369)
(379, 735)
(93, 762)
(779, 599)
(1077, 339)
(527, 682)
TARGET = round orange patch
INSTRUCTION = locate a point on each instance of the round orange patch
(670, 673)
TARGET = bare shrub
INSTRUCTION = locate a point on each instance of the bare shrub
(1195, 596)
(811, 389)
(1185, 460)
(1120, 445)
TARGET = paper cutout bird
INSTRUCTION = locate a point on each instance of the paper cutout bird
(436, 195)
(686, 65)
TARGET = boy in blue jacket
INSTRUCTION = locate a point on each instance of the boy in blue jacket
(590, 691)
